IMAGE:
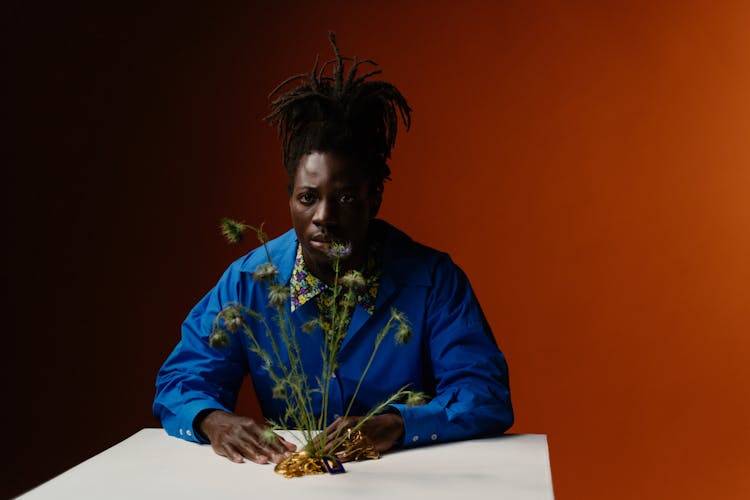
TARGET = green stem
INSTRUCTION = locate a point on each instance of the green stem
(302, 390)
(329, 359)
(374, 411)
(378, 341)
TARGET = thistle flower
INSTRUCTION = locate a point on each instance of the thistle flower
(232, 230)
(353, 280)
(398, 316)
(233, 319)
(265, 272)
(279, 391)
(267, 365)
(278, 295)
(416, 398)
(218, 339)
(403, 334)
(340, 250)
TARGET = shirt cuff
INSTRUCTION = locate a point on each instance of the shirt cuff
(183, 425)
(422, 424)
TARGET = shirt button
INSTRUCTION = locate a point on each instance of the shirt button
(188, 433)
(433, 437)
(415, 438)
(180, 432)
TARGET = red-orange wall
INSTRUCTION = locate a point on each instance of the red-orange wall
(586, 163)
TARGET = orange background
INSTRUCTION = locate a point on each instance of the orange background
(586, 163)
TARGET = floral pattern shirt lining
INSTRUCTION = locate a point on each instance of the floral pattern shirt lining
(304, 286)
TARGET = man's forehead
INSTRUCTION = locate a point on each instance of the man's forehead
(317, 169)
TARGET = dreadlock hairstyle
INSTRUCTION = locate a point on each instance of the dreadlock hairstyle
(348, 116)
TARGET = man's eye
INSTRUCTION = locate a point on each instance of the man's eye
(307, 198)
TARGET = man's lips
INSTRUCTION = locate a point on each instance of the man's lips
(320, 242)
(323, 242)
(320, 245)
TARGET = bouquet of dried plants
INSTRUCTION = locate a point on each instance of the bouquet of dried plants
(291, 383)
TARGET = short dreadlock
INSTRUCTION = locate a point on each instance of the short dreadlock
(348, 116)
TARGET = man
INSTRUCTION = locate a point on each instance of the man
(337, 135)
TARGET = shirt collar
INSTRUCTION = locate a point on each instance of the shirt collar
(304, 286)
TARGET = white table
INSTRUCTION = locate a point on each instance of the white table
(151, 464)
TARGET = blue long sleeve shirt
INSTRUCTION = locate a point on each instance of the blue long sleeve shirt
(452, 355)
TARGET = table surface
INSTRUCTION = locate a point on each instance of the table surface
(151, 464)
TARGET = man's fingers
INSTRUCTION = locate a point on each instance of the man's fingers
(253, 437)
(277, 449)
(280, 445)
(254, 453)
(262, 452)
(236, 437)
(275, 455)
(229, 451)
(239, 451)
(338, 434)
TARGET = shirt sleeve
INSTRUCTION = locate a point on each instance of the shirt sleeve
(197, 377)
(472, 396)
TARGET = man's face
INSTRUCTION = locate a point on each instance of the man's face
(330, 202)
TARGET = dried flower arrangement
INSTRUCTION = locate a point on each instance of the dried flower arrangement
(291, 384)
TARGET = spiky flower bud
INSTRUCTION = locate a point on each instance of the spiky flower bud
(218, 339)
(416, 398)
(265, 272)
(279, 391)
(233, 230)
(403, 334)
(233, 319)
(398, 316)
(278, 295)
(340, 250)
(353, 280)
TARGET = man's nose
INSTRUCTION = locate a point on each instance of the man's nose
(325, 214)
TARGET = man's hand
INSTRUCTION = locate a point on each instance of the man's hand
(383, 430)
(238, 438)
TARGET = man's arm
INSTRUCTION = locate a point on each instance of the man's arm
(472, 391)
(196, 388)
